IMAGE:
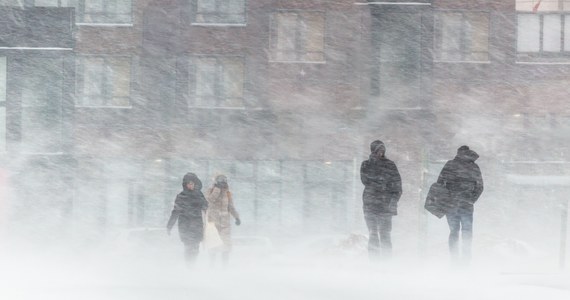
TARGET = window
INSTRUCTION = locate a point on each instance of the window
(543, 29)
(54, 3)
(219, 11)
(461, 36)
(38, 3)
(542, 5)
(543, 34)
(104, 81)
(40, 87)
(396, 82)
(12, 2)
(104, 11)
(216, 82)
(2, 104)
(298, 37)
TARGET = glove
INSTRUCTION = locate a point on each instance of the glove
(238, 222)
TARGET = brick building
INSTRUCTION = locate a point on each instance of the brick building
(107, 104)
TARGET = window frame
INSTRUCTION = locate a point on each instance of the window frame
(80, 15)
(564, 51)
(273, 38)
(217, 13)
(107, 82)
(464, 50)
(191, 85)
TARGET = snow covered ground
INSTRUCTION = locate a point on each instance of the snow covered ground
(301, 271)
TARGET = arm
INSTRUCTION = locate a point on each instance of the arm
(478, 184)
(397, 183)
(364, 173)
(232, 208)
(173, 218)
(445, 175)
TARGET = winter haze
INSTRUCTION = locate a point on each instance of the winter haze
(106, 104)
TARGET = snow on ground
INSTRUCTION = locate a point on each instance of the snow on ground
(302, 271)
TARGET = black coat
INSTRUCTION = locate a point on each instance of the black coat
(382, 186)
(462, 177)
(188, 208)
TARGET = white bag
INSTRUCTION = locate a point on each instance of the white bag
(211, 236)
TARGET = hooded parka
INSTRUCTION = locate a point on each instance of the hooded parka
(462, 177)
(188, 208)
(382, 183)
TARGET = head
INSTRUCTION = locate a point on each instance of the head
(464, 152)
(191, 182)
(221, 181)
(377, 148)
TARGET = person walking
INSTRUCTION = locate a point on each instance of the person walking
(382, 191)
(188, 209)
(462, 177)
(220, 210)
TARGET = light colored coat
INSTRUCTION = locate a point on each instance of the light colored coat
(220, 210)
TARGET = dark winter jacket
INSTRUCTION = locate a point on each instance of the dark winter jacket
(462, 177)
(188, 208)
(382, 186)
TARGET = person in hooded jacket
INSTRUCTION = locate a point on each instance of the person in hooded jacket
(382, 191)
(462, 177)
(188, 208)
(220, 208)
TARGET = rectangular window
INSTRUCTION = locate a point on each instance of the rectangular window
(41, 90)
(543, 5)
(104, 81)
(298, 37)
(543, 34)
(54, 3)
(2, 104)
(462, 36)
(12, 2)
(219, 11)
(216, 82)
(104, 11)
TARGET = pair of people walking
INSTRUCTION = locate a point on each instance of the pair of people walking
(383, 189)
(191, 207)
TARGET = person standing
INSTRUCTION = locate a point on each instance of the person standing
(382, 191)
(462, 177)
(220, 209)
(188, 208)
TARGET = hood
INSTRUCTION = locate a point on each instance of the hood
(467, 155)
(191, 177)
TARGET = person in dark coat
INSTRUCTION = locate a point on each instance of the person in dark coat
(188, 208)
(382, 191)
(462, 177)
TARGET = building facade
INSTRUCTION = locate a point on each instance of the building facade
(108, 103)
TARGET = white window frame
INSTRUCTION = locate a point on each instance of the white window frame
(219, 14)
(464, 50)
(299, 50)
(80, 7)
(219, 92)
(564, 36)
(107, 84)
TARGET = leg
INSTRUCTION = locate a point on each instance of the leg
(386, 235)
(191, 250)
(226, 236)
(453, 221)
(466, 235)
(373, 240)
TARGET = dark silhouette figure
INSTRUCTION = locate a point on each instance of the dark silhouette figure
(189, 206)
(462, 177)
(382, 191)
